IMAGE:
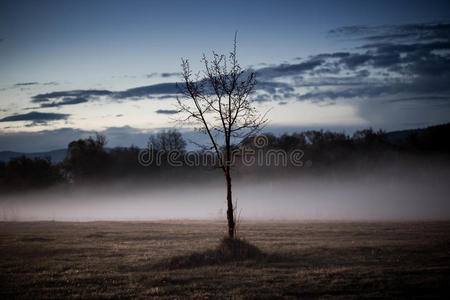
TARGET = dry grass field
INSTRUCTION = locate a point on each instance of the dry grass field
(301, 260)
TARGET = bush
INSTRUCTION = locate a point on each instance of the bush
(229, 250)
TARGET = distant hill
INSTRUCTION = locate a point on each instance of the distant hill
(55, 155)
(399, 137)
(433, 138)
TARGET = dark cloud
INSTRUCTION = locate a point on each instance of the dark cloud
(167, 111)
(26, 83)
(164, 75)
(64, 101)
(51, 83)
(431, 66)
(355, 60)
(75, 93)
(421, 31)
(145, 91)
(414, 58)
(283, 70)
(35, 117)
(263, 98)
(384, 37)
(170, 74)
(273, 87)
(357, 78)
(351, 30)
(437, 99)
(332, 55)
(417, 48)
(362, 73)
(411, 49)
(166, 97)
(419, 89)
(81, 96)
(386, 60)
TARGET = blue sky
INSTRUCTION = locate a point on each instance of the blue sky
(390, 66)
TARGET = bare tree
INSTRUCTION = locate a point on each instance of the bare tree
(170, 140)
(218, 102)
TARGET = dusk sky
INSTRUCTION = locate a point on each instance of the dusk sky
(69, 68)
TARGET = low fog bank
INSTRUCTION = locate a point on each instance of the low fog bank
(389, 193)
(308, 175)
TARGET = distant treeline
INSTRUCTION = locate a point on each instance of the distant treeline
(318, 152)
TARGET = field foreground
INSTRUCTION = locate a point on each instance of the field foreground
(304, 259)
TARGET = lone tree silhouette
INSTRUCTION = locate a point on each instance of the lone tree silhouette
(217, 100)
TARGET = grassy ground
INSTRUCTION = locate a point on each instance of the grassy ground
(304, 259)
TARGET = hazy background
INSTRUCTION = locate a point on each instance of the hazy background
(399, 192)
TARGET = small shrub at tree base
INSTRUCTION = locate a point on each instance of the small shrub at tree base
(229, 250)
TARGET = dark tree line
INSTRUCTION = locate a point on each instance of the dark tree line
(89, 161)
(25, 173)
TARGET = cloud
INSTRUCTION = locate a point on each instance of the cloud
(410, 49)
(35, 116)
(415, 56)
(26, 83)
(165, 75)
(145, 91)
(64, 101)
(351, 30)
(159, 91)
(355, 60)
(167, 111)
(166, 97)
(391, 62)
(437, 99)
(350, 93)
(72, 97)
(419, 31)
(263, 98)
(51, 83)
(284, 70)
(273, 87)
(74, 93)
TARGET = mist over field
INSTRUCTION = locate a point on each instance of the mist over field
(410, 192)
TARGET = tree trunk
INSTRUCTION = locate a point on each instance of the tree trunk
(230, 212)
